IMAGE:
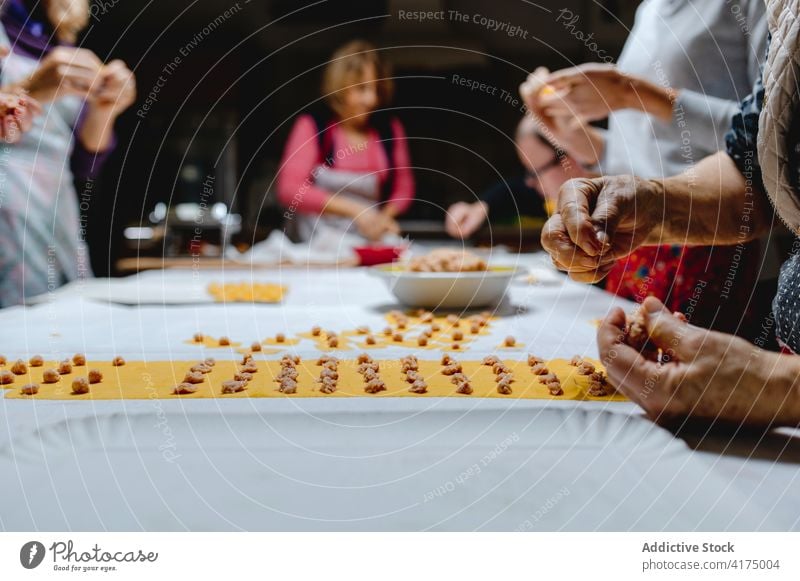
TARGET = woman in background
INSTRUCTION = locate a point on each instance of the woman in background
(41, 231)
(347, 164)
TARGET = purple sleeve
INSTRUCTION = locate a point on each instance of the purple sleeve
(88, 164)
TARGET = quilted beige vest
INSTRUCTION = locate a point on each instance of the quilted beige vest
(781, 100)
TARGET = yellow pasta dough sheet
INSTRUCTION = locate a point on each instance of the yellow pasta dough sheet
(157, 380)
(246, 292)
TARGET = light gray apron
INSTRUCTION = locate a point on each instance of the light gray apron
(41, 242)
(362, 187)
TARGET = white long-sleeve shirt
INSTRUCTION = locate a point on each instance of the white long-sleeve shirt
(710, 52)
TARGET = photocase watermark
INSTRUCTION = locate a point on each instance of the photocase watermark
(100, 8)
(66, 558)
(169, 447)
(472, 471)
(31, 554)
(546, 507)
(570, 21)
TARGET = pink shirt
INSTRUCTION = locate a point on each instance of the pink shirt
(302, 156)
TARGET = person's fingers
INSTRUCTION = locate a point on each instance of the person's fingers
(454, 219)
(575, 200)
(565, 78)
(579, 263)
(557, 242)
(531, 89)
(116, 64)
(590, 276)
(572, 106)
(638, 378)
(84, 58)
(370, 232)
(77, 63)
(452, 228)
(614, 321)
(26, 122)
(109, 96)
(477, 214)
(607, 215)
(559, 112)
(32, 105)
(78, 78)
(116, 77)
(674, 337)
(581, 73)
(391, 226)
(11, 132)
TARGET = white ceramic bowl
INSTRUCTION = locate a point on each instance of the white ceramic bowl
(448, 290)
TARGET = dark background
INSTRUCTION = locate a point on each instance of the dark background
(228, 106)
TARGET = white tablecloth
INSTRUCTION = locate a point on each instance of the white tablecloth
(357, 464)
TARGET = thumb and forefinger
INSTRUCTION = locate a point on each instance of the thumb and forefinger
(671, 333)
(575, 204)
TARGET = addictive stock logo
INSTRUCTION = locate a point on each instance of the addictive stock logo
(31, 554)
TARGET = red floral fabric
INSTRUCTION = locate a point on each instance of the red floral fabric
(711, 285)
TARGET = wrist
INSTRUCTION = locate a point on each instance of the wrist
(20, 88)
(653, 199)
(628, 91)
(359, 212)
(782, 386)
(105, 112)
(650, 98)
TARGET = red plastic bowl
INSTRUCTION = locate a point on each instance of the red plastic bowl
(372, 255)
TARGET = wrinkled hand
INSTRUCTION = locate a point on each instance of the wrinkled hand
(600, 221)
(116, 90)
(374, 224)
(16, 116)
(463, 219)
(704, 375)
(65, 71)
(590, 91)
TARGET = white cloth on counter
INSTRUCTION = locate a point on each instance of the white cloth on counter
(361, 463)
(326, 245)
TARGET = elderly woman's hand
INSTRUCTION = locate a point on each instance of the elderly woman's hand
(599, 221)
(702, 375)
